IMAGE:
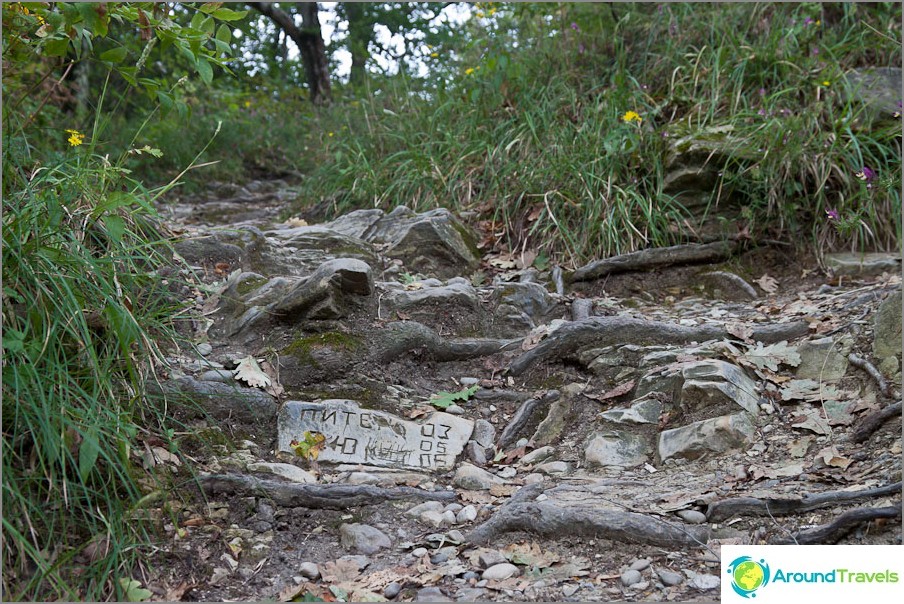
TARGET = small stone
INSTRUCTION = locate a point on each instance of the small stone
(448, 518)
(507, 472)
(432, 519)
(692, 516)
(640, 564)
(227, 376)
(553, 467)
(455, 409)
(391, 590)
(705, 582)
(468, 381)
(542, 497)
(490, 558)
(470, 575)
(522, 442)
(471, 594)
(484, 433)
(500, 572)
(473, 478)
(455, 536)
(363, 538)
(439, 558)
(419, 552)
(431, 594)
(476, 453)
(570, 589)
(669, 578)
(204, 349)
(534, 478)
(537, 455)
(454, 507)
(427, 506)
(630, 577)
(466, 514)
(640, 586)
(309, 570)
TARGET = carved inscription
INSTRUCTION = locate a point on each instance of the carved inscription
(355, 435)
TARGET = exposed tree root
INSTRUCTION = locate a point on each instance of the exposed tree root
(858, 361)
(874, 421)
(320, 496)
(522, 417)
(838, 528)
(406, 336)
(606, 331)
(751, 506)
(642, 260)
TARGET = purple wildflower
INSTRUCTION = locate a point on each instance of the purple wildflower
(809, 21)
(866, 174)
(575, 27)
(832, 214)
(762, 92)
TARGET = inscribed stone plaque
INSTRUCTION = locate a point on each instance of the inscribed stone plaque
(364, 436)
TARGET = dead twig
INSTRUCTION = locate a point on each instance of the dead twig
(858, 361)
(874, 421)
(840, 526)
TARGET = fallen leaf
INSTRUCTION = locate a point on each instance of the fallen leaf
(769, 285)
(341, 570)
(530, 554)
(249, 371)
(813, 422)
(741, 331)
(770, 357)
(476, 497)
(502, 490)
(619, 390)
(443, 400)
(133, 591)
(175, 594)
(526, 259)
(831, 457)
(296, 222)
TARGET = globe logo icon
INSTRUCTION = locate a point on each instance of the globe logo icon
(748, 575)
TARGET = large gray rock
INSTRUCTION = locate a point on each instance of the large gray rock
(283, 470)
(300, 250)
(824, 359)
(355, 224)
(209, 250)
(328, 293)
(456, 292)
(863, 265)
(364, 436)
(724, 285)
(887, 336)
(705, 383)
(223, 401)
(878, 89)
(616, 448)
(484, 433)
(363, 539)
(432, 243)
(710, 436)
(643, 411)
(554, 423)
(473, 478)
(530, 298)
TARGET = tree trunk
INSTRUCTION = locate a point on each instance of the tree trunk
(310, 44)
(359, 33)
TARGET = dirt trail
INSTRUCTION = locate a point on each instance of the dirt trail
(599, 444)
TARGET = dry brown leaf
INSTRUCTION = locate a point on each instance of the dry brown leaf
(476, 497)
(296, 222)
(338, 571)
(768, 284)
(741, 331)
(249, 371)
(526, 259)
(175, 594)
(502, 490)
(619, 390)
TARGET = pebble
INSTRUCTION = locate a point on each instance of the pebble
(500, 572)
(476, 453)
(391, 590)
(432, 518)
(553, 467)
(522, 442)
(455, 536)
(309, 570)
(630, 577)
(417, 553)
(640, 564)
(448, 518)
(640, 586)
(467, 514)
(569, 590)
(427, 506)
(454, 507)
(704, 582)
(471, 594)
(468, 576)
(484, 433)
(431, 594)
(204, 349)
(439, 558)
(507, 472)
(493, 408)
(668, 577)
(692, 516)
(455, 409)
(481, 583)
(363, 538)
(473, 478)
(537, 455)
(468, 381)
(490, 558)
(534, 478)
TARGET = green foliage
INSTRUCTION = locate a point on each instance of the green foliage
(443, 400)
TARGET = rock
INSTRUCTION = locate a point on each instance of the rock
(448, 518)
(363, 539)
(309, 570)
(204, 349)
(432, 518)
(391, 590)
(226, 376)
(469, 381)
(300, 250)
(569, 589)
(534, 478)
(466, 514)
(887, 327)
(363, 436)
(630, 577)
(507, 472)
(329, 293)
(553, 467)
(471, 594)
(489, 558)
(231, 402)
(705, 582)
(419, 552)
(863, 265)
(209, 250)
(457, 292)
(530, 298)
(431, 594)
(356, 223)
(692, 516)
(553, 424)
(473, 478)
(476, 454)
(724, 285)
(285, 470)
(668, 577)
(878, 88)
(427, 506)
(640, 564)
(616, 448)
(824, 359)
(439, 558)
(537, 455)
(644, 411)
(484, 433)
(500, 572)
(432, 243)
(716, 435)
(705, 383)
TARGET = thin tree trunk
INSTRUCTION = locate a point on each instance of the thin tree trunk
(359, 32)
(310, 44)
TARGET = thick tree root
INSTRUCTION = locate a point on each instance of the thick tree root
(751, 506)
(551, 519)
(858, 361)
(318, 496)
(606, 331)
(838, 528)
(406, 336)
(656, 258)
(874, 421)
(522, 417)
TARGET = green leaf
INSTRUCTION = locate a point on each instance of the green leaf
(166, 101)
(133, 590)
(205, 71)
(208, 25)
(197, 20)
(56, 47)
(227, 14)
(224, 34)
(113, 201)
(13, 341)
(87, 455)
(443, 400)
(115, 226)
(115, 55)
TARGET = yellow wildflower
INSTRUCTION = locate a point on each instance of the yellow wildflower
(469, 71)
(247, 103)
(632, 116)
(329, 134)
(818, 23)
(826, 83)
(480, 14)
(434, 54)
(76, 138)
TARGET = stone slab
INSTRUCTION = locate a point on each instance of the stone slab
(364, 436)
